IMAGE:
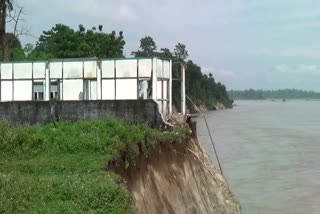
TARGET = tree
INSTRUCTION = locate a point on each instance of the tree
(28, 48)
(165, 53)
(15, 16)
(180, 52)
(5, 7)
(64, 42)
(14, 49)
(100, 28)
(147, 48)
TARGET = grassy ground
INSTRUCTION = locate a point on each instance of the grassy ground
(48, 170)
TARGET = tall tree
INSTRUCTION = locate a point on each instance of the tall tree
(5, 7)
(64, 42)
(165, 53)
(180, 52)
(147, 48)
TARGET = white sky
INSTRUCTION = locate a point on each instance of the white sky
(264, 44)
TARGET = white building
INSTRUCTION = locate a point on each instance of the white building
(89, 79)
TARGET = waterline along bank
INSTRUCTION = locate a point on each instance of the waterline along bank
(107, 166)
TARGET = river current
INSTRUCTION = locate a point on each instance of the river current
(270, 154)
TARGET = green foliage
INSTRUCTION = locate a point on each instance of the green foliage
(16, 52)
(165, 53)
(21, 193)
(251, 94)
(64, 42)
(203, 90)
(28, 48)
(147, 48)
(180, 52)
(48, 170)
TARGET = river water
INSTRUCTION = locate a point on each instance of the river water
(270, 154)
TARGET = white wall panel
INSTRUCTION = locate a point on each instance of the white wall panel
(39, 70)
(72, 89)
(159, 68)
(6, 90)
(145, 66)
(165, 89)
(154, 80)
(6, 71)
(22, 90)
(126, 68)
(93, 90)
(126, 89)
(108, 89)
(160, 106)
(159, 90)
(72, 69)
(55, 70)
(107, 68)
(99, 86)
(90, 69)
(165, 108)
(22, 70)
(166, 69)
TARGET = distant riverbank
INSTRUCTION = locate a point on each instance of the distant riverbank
(288, 94)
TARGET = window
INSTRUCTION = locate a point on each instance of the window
(144, 89)
(38, 90)
(90, 89)
(55, 88)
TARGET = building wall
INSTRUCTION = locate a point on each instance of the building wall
(30, 112)
(88, 79)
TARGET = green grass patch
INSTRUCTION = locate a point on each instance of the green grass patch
(48, 170)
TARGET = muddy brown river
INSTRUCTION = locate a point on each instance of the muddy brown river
(270, 154)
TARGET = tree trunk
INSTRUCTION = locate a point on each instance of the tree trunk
(3, 16)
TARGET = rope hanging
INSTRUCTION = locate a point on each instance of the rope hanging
(206, 122)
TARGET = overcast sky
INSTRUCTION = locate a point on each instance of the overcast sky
(266, 44)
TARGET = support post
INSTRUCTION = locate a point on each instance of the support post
(154, 77)
(183, 89)
(170, 88)
(99, 86)
(47, 84)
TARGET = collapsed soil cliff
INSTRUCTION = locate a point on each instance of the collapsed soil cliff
(178, 177)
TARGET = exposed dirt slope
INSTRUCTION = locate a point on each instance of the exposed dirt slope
(179, 178)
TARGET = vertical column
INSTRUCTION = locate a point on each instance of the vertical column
(47, 84)
(99, 85)
(115, 78)
(0, 83)
(154, 79)
(138, 79)
(170, 87)
(183, 89)
(32, 78)
(12, 77)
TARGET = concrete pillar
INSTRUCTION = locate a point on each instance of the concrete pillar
(99, 86)
(170, 88)
(183, 89)
(154, 79)
(47, 85)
